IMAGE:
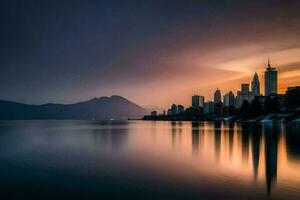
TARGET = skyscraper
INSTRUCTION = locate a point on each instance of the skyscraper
(245, 88)
(244, 94)
(255, 85)
(195, 100)
(218, 102)
(229, 99)
(180, 109)
(270, 80)
(174, 109)
(293, 98)
(201, 101)
(217, 96)
(209, 107)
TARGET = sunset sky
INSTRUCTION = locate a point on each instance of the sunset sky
(154, 53)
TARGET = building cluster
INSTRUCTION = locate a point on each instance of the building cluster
(231, 104)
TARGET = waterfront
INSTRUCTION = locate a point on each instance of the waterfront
(149, 160)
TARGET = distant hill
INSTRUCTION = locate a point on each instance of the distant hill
(103, 108)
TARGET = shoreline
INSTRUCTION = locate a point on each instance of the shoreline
(270, 118)
(216, 121)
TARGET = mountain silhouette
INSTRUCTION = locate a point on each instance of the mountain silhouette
(103, 108)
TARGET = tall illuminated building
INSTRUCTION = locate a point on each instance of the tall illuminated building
(217, 96)
(255, 85)
(270, 80)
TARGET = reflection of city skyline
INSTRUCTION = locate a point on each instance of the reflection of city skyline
(253, 146)
(267, 156)
(255, 151)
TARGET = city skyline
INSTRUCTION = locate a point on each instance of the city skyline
(248, 91)
(248, 101)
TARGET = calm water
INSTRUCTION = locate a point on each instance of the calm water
(148, 160)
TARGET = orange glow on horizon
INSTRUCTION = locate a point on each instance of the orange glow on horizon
(220, 70)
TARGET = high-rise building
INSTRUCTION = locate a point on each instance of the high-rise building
(293, 98)
(270, 80)
(154, 113)
(255, 85)
(180, 109)
(217, 96)
(245, 88)
(201, 101)
(169, 112)
(244, 94)
(229, 99)
(209, 107)
(197, 101)
(174, 109)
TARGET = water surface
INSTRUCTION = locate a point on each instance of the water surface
(148, 160)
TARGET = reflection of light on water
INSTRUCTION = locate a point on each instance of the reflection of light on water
(262, 163)
(232, 151)
(288, 169)
(234, 159)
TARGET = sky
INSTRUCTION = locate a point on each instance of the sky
(154, 52)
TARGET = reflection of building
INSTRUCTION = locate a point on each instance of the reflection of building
(255, 146)
(180, 109)
(250, 152)
(245, 143)
(230, 142)
(217, 96)
(293, 141)
(195, 138)
(209, 107)
(173, 130)
(217, 128)
(270, 80)
(255, 85)
(271, 148)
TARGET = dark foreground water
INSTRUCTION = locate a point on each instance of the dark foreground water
(148, 160)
